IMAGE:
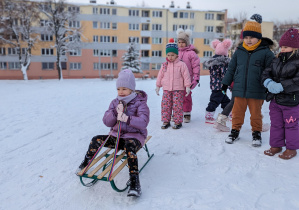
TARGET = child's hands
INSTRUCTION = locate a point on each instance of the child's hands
(122, 117)
(157, 90)
(193, 84)
(188, 91)
(274, 87)
(120, 108)
(224, 88)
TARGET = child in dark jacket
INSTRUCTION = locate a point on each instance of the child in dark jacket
(245, 69)
(131, 110)
(218, 66)
(282, 81)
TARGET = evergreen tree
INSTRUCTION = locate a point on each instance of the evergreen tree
(131, 58)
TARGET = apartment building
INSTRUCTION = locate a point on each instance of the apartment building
(106, 31)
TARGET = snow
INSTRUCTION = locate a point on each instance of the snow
(46, 126)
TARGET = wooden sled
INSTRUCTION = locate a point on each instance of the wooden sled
(105, 167)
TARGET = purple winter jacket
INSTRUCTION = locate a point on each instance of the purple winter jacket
(139, 116)
(191, 59)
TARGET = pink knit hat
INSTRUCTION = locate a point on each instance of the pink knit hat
(221, 48)
(290, 38)
(126, 79)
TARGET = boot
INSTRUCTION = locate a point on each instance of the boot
(220, 123)
(272, 151)
(288, 154)
(210, 117)
(177, 126)
(256, 139)
(187, 117)
(83, 164)
(165, 125)
(233, 136)
(135, 188)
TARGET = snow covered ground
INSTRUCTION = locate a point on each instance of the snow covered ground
(46, 126)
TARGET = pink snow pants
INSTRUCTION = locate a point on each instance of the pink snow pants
(172, 101)
(187, 105)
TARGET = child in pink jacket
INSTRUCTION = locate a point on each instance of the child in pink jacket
(174, 77)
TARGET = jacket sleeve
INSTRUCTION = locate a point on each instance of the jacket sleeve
(186, 75)
(229, 75)
(268, 66)
(110, 116)
(195, 63)
(160, 77)
(141, 120)
(291, 85)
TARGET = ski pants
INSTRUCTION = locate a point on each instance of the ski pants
(187, 104)
(172, 101)
(131, 146)
(217, 98)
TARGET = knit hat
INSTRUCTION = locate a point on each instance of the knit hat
(253, 28)
(172, 47)
(126, 79)
(221, 48)
(184, 35)
(290, 38)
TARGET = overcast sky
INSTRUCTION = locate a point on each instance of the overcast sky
(271, 10)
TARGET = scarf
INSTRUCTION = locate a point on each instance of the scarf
(128, 98)
(253, 47)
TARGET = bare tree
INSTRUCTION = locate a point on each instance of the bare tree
(62, 24)
(17, 19)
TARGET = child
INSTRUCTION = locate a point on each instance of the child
(282, 81)
(175, 79)
(188, 54)
(129, 109)
(218, 66)
(245, 69)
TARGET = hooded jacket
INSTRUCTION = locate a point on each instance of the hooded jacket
(245, 69)
(139, 116)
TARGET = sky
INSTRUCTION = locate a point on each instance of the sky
(271, 10)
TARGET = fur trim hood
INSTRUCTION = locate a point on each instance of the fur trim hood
(217, 60)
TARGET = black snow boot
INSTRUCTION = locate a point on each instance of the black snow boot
(135, 188)
(256, 139)
(233, 136)
(83, 164)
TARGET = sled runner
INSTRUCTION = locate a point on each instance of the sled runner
(109, 159)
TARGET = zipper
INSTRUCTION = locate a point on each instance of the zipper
(246, 74)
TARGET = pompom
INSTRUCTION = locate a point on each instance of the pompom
(171, 40)
(188, 32)
(180, 30)
(258, 18)
(214, 44)
(227, 43)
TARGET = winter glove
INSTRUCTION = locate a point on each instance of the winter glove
(120, 108)
(187, 91)
(122, 117)
(224, 88)
(157, 90)
(274, 87)
(193, 84)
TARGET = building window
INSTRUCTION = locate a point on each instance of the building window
(96, 66)
(192, 27)
(156, 53)
(3, 65)
(114, 11)
(145, 66)
(105, 53)
(206, 41)
(63, 65)
(114, 53)
(219, 29)
(220, 17)
(2, 50)
(175, 15)
(104, 11)
(207, 53)
(183, 27)
(14, 65)
(145, 40)
(74, 24)
(133, 12)
(95, 10)
(95, 52)
(134, 26)
(47, 51)
(114, 26)
(114, 39)
(107, 66)
(44, 23)
(105, 25)
(209, 28)
(156, 40)
(175, 27)
(95, 24)
(76, 52)
(134, 39)
(47, 65)
(145, 13)
(104, 39)
(46, 37)
(191, 41)
(144, 53)
(75, 66)
(209, 16)
(95, 38)
(157, 27)
(191, 15)
(157, 13)
(184, 14)
(145, 27)
(156, 66)
(74, 9)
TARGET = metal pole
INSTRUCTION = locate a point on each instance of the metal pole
(110, 62)
(100, 64)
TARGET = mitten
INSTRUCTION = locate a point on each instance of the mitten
(157, 90)
(120, 108)
(224, 88)
(274, 87)
(122, 117)
(187, 91)
(193, 84)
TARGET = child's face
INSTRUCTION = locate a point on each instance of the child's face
(249, 40)
(171, 56)
(286, 49)
(123, 91)
(181, 44)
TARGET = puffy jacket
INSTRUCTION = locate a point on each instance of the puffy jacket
(174, 76)
(190, 58)
(245, 70)
(139, 116)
